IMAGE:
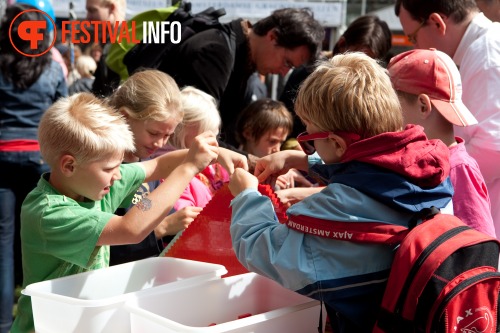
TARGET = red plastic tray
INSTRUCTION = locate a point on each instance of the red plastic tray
(208, 239)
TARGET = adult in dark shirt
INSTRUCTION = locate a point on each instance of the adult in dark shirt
(220, 61)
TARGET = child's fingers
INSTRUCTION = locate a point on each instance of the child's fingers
(208, 142)
(191, 210)
(231, 160)
(241, 162)
(209, 137)
(241, 180)
(194, 209)
(262, 173)
(204, 150)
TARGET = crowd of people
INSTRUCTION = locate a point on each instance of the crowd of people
(99, 171)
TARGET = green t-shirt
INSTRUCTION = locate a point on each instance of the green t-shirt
(59, 235)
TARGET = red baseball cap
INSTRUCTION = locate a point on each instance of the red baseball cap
(432, 72)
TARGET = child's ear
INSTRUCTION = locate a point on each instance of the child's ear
(340, 145)
(247, 134)
(67, 165)
(123, 112)
(425, 106)
(112, 12)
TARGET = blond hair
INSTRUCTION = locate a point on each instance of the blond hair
(85, 127)
(149, 95)
(200, 109)
(350, 92)
(86, 66)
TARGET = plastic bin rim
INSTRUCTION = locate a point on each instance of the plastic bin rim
(222, 327)
(30, 290)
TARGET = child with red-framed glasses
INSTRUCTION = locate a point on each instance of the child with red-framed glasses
(374, 171)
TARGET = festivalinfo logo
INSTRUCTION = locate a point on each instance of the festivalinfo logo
(83, 32)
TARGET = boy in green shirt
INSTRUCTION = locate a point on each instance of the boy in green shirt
(67, 221)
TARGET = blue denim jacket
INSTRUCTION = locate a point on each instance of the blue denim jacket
(21, 110)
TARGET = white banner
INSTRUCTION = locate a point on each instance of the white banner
(330, 14)
(61, 7)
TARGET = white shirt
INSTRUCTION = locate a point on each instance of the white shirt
(478, 58)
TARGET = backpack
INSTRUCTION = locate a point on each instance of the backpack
(444, 277)
(126, 57)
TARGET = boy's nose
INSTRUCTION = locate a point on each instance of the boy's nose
(160, 142)
(275, 149)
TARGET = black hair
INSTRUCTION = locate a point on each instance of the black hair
(368, 31)
(15, 67)
(294, 27)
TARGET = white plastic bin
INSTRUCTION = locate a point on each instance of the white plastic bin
(271, 308)
(92, 302)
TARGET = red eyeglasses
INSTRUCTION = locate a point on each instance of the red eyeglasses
(306, 140)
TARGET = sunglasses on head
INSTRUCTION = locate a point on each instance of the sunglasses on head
(306, 140)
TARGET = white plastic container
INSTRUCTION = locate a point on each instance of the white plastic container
(271, 307)
(92, 302)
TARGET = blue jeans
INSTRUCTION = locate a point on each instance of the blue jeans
(19, 174)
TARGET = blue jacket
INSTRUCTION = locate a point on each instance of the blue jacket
(21, 110)
(349, 277)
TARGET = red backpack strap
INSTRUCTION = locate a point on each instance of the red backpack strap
(419, 256)
(363, 232)
(416, 243)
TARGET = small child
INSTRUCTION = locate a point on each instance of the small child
(429, 88)
(67, 221)
(263, 126)
(85, 66)
(95, 51)
(150, 101)
(375, 171)
(200, 115)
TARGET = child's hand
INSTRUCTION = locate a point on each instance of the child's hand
(270, 166)
(203, 151)
(291, 196)
(241, 180)
(293, 178)
(177, 221)
(231, 160)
